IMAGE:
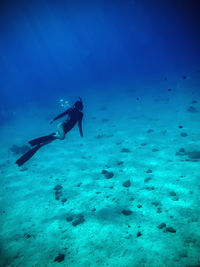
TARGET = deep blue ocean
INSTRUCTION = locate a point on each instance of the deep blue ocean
(127, 193)
(51, 49)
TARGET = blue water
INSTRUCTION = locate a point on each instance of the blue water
(136, 66)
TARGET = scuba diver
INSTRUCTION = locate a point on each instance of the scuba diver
(75, 115)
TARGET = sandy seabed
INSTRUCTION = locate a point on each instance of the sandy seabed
(127, 194)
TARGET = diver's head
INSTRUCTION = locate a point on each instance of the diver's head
(79, 104)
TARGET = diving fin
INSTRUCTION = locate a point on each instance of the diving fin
(27, 155)
(43, 139)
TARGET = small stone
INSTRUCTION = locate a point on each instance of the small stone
(171, 230)
(150, 131)
(139, 206)
(139, 234)
(125, 150)
(58, 187)
(183, 134)
(78, 220)
(172, 193)
(109, 175)
(59, 258)
(63, 200)
(127, 183)
(127, 212)
(182, 150)
(120, 163)
(104, 171)
(155, 150)
(159, 210)
(192, 109)
(27, 236)
(183, 254)
(143, 144)
(147, 179)
(161, 226)
(194, 154)
(175, 198)
(156, 203)
(149, 171)
(69, 218)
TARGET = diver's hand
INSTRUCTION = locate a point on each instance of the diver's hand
(51, 121)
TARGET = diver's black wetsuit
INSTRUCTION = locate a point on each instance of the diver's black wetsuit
(74, 116)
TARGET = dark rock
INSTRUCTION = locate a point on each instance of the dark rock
(125, 150)
(192, 109)
(194, 154)
(127, 212)
(109, 175)
(161, 226)
(58, 193)
(155, 150)
(172, 193)
(69, 218)
(78, 220)
(63, 200)
(175, 198)
(147, 179)
(27, 236)
(58, 187)
(159, 210)
(120, 163)
(59, 258)
(150, 188)
(143, 144)
(182, 150)
(127, 183)
(149, 171)
(150, 131)
(139, 234)
(139, 206)
(170, 229)
(180, 126)
(169, 90)
(156, 203)
(183, 134)
(104, 171)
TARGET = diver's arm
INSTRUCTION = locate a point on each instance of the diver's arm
(60, 115)
(80, 126)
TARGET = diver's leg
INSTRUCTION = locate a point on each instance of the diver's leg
(60, 133)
